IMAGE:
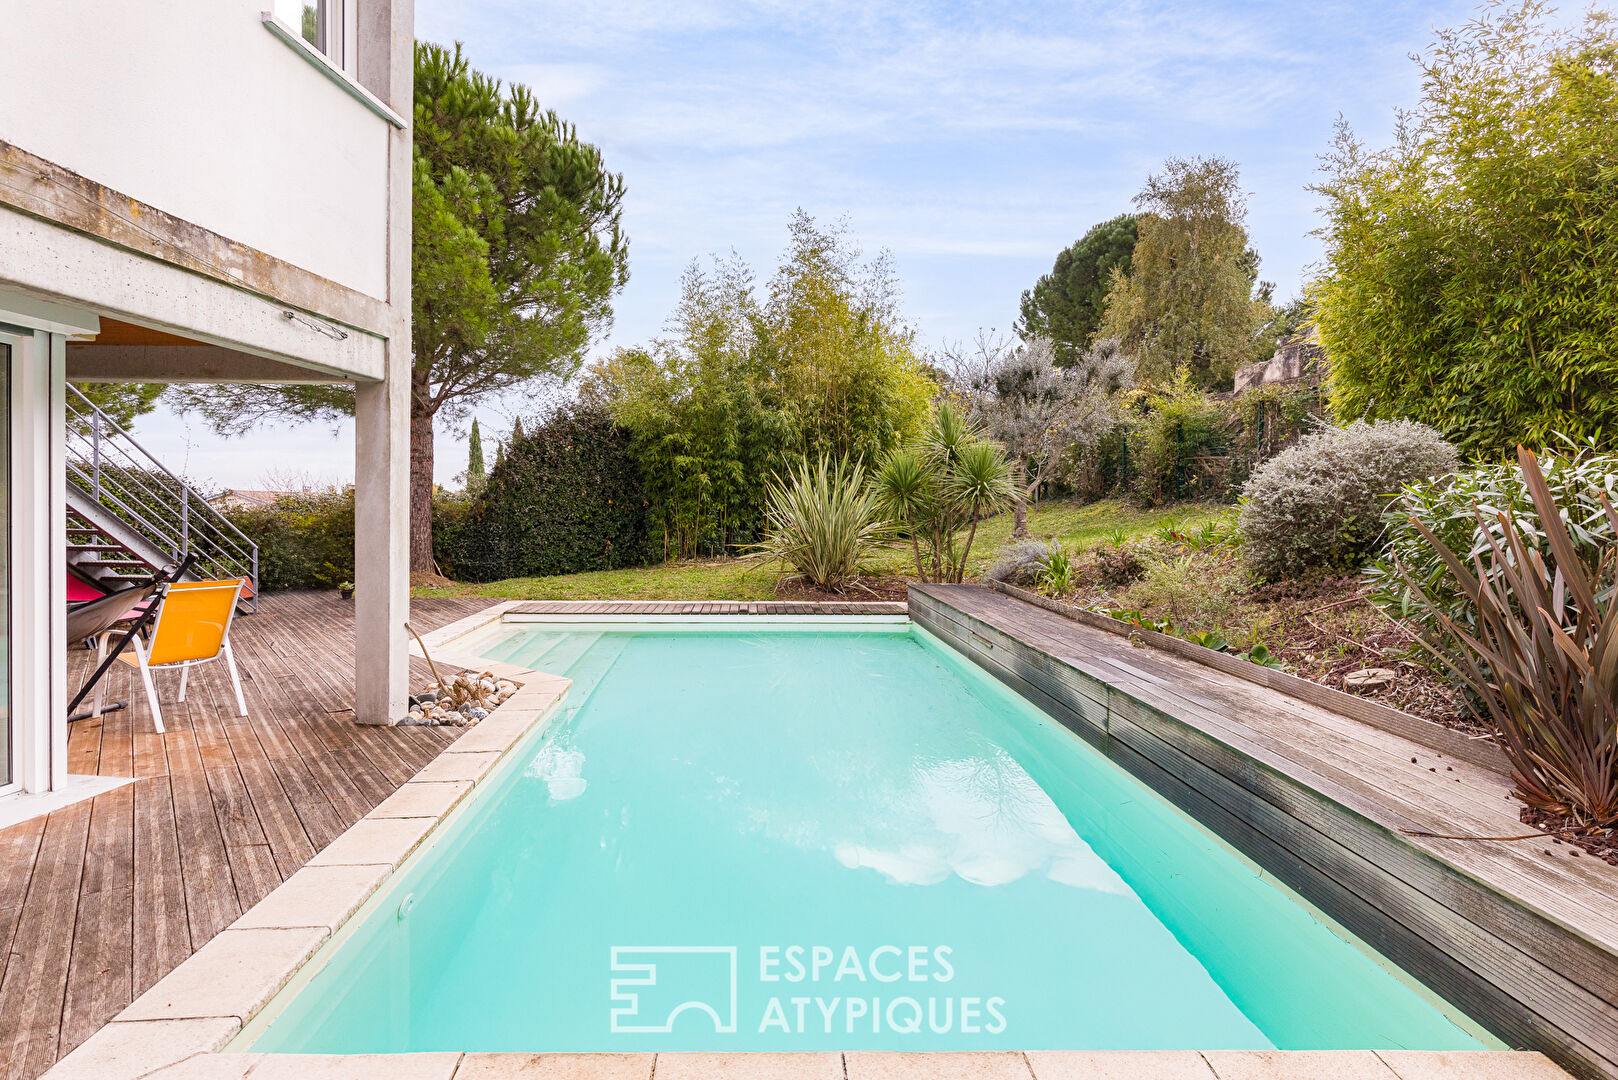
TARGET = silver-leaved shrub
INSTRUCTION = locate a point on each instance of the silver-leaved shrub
(1320, 504)
(1019, 563)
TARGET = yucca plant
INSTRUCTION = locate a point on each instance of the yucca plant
(905, 484)
(1541, 658)
(823, 521)
(979, 483)
(946, 482)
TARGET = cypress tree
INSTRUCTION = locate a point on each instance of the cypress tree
(474, 458)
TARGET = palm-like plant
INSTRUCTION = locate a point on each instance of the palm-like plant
(823, 521)
(904, 484)
(1541, 660)
(950, 479)
(979, 483)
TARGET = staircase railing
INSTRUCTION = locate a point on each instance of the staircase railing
(111, 469)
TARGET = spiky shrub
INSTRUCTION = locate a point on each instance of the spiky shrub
(823, 521)
(946, 482)
(1019, 563)
(1541, 655)
(1056, 571)
(1320, 503)
(1577, 474)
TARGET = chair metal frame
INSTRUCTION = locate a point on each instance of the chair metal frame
(142, 649)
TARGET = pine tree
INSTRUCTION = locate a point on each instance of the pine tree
(516, 431)
(474, 457)
(1066, 304)
(517, 252)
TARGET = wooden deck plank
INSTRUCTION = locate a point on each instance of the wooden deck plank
(19, 848)
(101, 899)
(41, 949)
(210, 905)
(1523, 939)
(101, 972)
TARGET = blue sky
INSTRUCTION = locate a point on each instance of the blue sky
(973, 141)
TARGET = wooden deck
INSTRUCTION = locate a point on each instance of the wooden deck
(101, 899)
(1522, 935)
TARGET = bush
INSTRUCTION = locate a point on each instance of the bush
(1117, 565)
(1468, 275)
(305, 541)
(1181, 452)
(1019, 563)
(1182, 590)
(1320, 503)
(823, 522)
(1538, 656)
(1577, 475)
(565, 498)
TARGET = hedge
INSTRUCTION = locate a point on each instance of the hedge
(566, 498)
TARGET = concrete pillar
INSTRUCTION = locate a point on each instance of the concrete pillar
(382, 409)
(38, 560)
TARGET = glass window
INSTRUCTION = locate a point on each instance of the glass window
(320, 22)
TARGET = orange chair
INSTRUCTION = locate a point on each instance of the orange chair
(192, 627)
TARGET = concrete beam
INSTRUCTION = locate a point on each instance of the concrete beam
(49, 262)
(382, 410)
(57, 194)
(88, 362)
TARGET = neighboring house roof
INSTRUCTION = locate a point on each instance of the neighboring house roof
(237, 497)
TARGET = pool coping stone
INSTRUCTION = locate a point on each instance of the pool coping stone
(179, 1027)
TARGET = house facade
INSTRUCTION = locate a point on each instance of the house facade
(200, 191)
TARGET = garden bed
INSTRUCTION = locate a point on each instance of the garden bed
(1324, 629)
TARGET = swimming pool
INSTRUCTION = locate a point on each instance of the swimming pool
(735, 838)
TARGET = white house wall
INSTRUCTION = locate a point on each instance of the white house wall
(194, 107)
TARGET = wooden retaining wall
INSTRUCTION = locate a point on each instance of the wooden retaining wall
(1523, 939)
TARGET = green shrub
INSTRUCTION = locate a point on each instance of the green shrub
(1540, 653)
(1468, 274)
(1320, 503)
(1183, 591)
(1577, 475)
(823, 522)
(565, 498)
(1057, 571)
(305, 541)
(1181, 448)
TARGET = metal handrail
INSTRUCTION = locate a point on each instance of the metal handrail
(141, 491)
(210, 519)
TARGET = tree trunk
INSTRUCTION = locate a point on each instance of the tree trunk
(1019, 518)
(421, 484)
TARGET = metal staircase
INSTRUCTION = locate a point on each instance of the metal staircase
(128, 515)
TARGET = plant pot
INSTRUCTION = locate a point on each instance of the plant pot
(346, 594)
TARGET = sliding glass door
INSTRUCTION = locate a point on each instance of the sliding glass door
(8, 751)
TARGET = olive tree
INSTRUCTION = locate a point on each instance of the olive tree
(1038, 410)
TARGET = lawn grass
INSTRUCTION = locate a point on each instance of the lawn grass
(1078, 526)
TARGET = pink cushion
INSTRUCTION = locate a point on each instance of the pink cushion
(79, 591)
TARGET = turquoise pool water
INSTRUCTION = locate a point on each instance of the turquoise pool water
(778, 840)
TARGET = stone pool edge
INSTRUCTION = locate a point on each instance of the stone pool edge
(177, 1029)
(190, 1014)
